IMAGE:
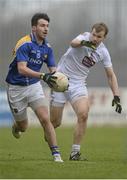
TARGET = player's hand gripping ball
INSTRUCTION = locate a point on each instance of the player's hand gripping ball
(62, 83)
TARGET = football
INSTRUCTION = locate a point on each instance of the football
(61, 82)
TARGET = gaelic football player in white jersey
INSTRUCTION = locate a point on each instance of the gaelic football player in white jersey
(85, 51)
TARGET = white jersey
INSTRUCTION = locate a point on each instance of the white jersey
(76, 62)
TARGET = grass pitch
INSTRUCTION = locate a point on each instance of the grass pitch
(29, 157)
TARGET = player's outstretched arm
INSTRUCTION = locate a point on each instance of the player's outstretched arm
(116, 103)
(112, 80)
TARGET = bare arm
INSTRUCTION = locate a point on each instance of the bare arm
(112, 80)
(75, 43)
(24, 70)
(47, 77)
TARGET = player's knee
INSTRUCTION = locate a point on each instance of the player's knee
(83, 116)
(56, 124)
(44, 121)
(22, 127)
(23, 130)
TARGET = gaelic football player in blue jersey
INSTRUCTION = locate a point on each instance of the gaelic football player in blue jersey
(85, 51)
(23, 80)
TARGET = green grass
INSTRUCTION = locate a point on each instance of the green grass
(29, 157)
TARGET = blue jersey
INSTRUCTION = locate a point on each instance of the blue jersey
(28, 50)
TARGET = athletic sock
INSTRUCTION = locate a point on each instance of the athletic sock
(75, 149)
(55, 150)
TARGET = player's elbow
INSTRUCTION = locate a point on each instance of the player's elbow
(21, 70)
(21, 66)
(75, 43)
(72, 44)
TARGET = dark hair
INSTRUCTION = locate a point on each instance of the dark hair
(100, 27)
(38, 16)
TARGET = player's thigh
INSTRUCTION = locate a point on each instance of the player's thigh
(81, 107)
(40, 108)
(56, 113)
(38, 102)
(21, 119)
(22, 125)
(78, 97)
(35, 92)
(57, 99)
(57, 104)
(76, 91)
(36, 98)
(17, 102)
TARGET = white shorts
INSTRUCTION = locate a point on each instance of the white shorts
(76, 91)
(21, 97)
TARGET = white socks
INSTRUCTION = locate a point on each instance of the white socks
(75, 149)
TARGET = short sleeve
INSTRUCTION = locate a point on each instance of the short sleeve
(22, 53)
(107, 59)
(50, 59)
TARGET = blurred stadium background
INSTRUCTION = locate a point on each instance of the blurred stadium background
(68, 19)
